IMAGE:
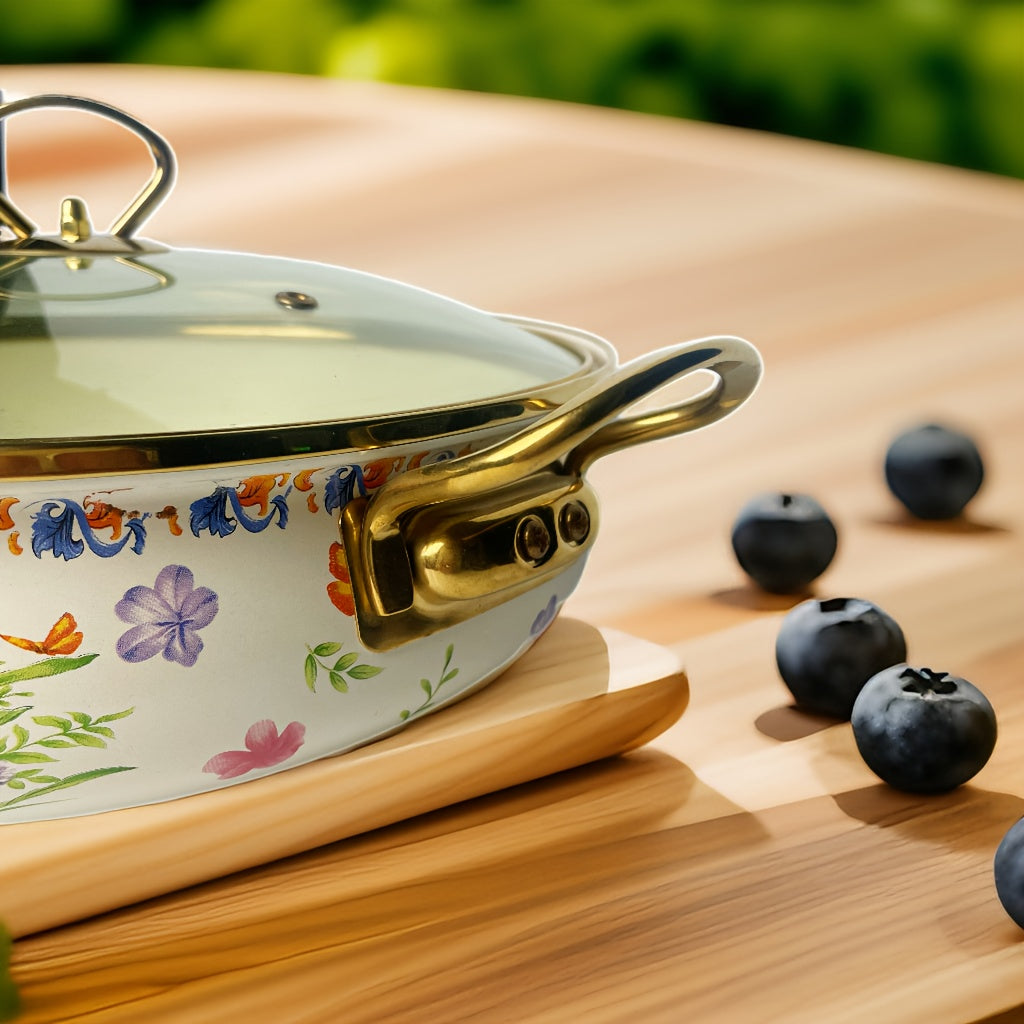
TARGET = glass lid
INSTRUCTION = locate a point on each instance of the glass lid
(118, 352)
(188, 341)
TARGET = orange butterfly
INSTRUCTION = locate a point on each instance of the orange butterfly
(63, 638)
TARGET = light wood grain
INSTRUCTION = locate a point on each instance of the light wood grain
(745, 866)
(575, 697)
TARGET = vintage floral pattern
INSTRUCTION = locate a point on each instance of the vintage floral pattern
(27, 763)
(265, 747)
(346, 665)
(545, 616)
(169, 514)
(6, 519)
(63, 638)
(303, 482)
(254, 491)
(65, 528)
(446, 675)
(166, 618)
(319, 661)
(344, 484)
(213, 514)
(339, 590)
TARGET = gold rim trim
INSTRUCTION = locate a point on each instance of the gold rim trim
(62, 457)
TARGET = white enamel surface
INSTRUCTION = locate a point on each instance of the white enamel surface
(272, 609)
(192, 340)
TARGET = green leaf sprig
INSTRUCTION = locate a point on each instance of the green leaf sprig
(76, 730)
(430, 689)
(347, 665)
(37, 670)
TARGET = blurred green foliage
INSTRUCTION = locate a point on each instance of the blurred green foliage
(939, 80)
(10, 1000)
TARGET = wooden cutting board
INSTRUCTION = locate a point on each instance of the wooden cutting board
(577, 696)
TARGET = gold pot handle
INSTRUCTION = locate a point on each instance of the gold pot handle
(586, 427)
(439, 544)
(735, 364)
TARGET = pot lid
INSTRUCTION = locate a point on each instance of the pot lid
(112, 337)
(187, 341)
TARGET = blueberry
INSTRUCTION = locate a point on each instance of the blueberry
(783, 541)
(1008, 868)
(934, 471)
(923, 731)
(827, 650)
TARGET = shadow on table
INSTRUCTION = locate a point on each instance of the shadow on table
(968, 818)
(788, 722)
(1014, 1016)
(534, 868)
(961, 525)
(619, 799)
(755, 599)
(951, 837)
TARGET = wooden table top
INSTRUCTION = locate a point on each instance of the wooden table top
(745, 866)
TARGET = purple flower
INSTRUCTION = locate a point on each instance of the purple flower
(545, 617)
(166, 618)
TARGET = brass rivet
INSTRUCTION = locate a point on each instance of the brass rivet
(296, 300)
(574, 522)
(533, 539)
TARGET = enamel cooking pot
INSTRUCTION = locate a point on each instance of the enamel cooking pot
(258, 511)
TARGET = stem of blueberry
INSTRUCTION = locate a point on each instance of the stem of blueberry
(926, 682)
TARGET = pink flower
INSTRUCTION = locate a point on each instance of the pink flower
(264, 748)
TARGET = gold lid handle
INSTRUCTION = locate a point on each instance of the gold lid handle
(74, 223)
